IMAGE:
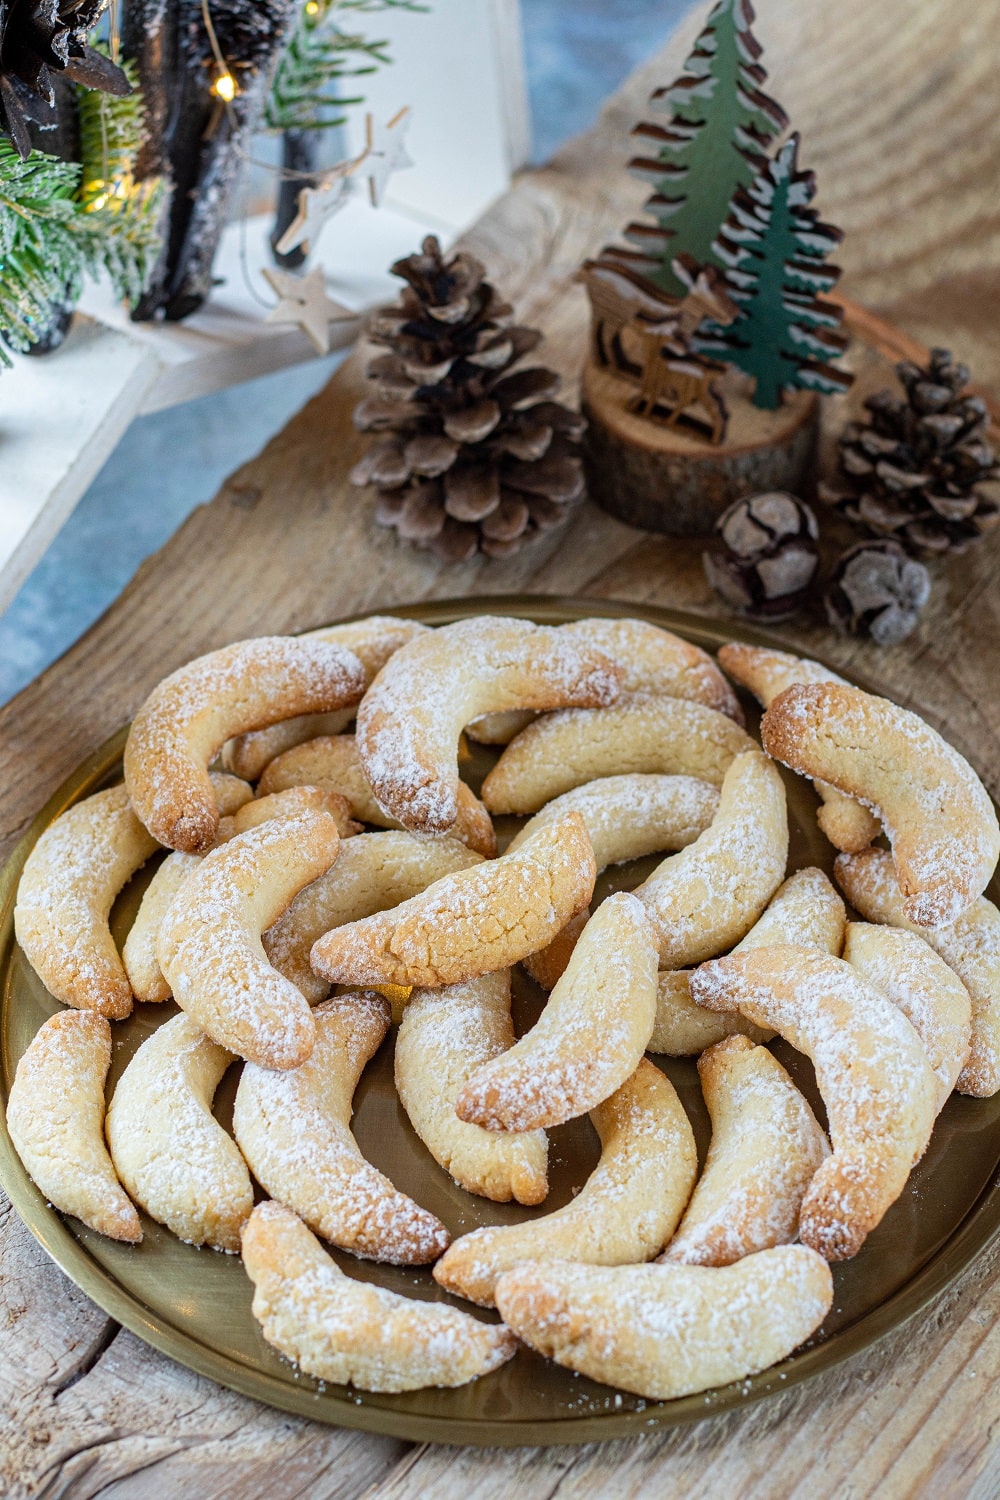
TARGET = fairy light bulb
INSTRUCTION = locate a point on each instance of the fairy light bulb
(224, 87)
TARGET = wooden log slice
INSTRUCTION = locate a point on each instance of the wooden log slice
(671, 479)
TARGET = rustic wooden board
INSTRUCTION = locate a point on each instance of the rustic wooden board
(897, 107)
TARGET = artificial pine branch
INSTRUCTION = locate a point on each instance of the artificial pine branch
(304, 95)
(112, 134)
(50, 238)
(44, 243)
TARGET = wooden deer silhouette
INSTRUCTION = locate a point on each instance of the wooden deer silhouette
(671, 373)
(683, 383)
(620, 298)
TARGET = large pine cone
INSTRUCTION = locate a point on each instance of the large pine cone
(473, 457)
(916, 471)
(39, 38)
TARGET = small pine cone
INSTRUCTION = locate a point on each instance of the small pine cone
(768, 556)
(471, 454)
(877, 590)
(920, 469)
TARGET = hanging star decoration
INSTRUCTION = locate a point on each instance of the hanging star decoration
(318, 204)
(385, 152)
(304, 301)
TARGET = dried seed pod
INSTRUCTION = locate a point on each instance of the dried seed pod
(877, 590)
(472, 455)
(768, 557)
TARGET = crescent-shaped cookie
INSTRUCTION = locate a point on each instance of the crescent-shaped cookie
(289, 804)
(414, 712)
(239, 813)
(65, 895)
(328, 761)
(969, 946)
(373, 873)
(805, 910)
(346, 1331)
(846, 822)
(209, 946)
(872, 1071)
(937, 814)
(444, 1036)
(588, 1039)
(664, 736)
(55, 1116)
(666, 1331)
(187, 719)
(171, 1153)
(472, 922)
(372, 641)
(139, 949)
(294, 1130)
(629, 816)
(653, 660)
(704, 899)
(766, 1147)
(683, 1029)
(626, 1210)
(626, 817)
(934, 1000)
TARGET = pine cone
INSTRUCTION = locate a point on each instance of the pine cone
(473, 457)
(877, 590)
(768, 558)
(915, 471)
(37, 38)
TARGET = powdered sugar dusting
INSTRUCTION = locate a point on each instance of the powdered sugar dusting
(970, 946)
(294, 1129)
(766, 1146)
(706, 897)
(666, 736)
(69, 882)
(629, 816)
(411, 717)
(626, 1210)
(189, 716)
(936, 812)
(871, 1069)
(665, 1331)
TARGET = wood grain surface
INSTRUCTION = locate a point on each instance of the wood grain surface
(897, 106)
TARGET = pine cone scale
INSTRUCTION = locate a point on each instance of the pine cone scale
(470, 494)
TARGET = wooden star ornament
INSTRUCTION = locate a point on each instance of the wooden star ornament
(304, 301)
(318, 204)
(385, 152)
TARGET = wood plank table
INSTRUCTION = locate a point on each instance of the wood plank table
(897, 106)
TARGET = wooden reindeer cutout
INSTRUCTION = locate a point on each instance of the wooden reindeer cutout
(672, 373)
(623, 301)
(621, 298)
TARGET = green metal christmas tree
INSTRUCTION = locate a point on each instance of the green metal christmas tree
(773, 249)
(720, 123)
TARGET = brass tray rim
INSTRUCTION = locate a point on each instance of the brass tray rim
(980, 1225)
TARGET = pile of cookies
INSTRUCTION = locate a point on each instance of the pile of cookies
(322, 883)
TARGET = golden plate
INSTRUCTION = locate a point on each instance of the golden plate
(194, 1305)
